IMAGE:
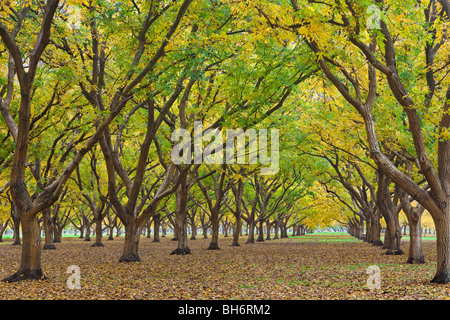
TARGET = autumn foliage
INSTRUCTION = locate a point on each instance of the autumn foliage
(354, 94)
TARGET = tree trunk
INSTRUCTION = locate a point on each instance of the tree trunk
(57, 232)
(98, 232)
(375, 230)
(443, 249)
(260, 232)
(156, 225)
(111, 231)
(214, 244)
(268, 227)
(181, 218)
(48, 230)
(251, 232)
(16, 225)
(30, 263)
(194, 230)
(415, 242)
(237, 231)
(276, 228)
(87, 230)
(386, 207)
(130, 247)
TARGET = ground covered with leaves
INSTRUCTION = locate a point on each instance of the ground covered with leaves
(317, 266)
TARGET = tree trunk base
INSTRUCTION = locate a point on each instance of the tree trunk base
(130, 258)
(419, 260)
(16, 243)
(174, 239)
(49, 247)
(156, 240)
(397, 252)
(29, 274)
(181, 251)
(441, 278)
(213, 246)
(98, 244)
(235, 244)
(377, 243)
(193, 238)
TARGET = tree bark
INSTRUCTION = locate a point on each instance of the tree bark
(16, 225)
(48, 230)
(98, 231)
(181, 217)
(30, 263)
(214, 244)
(131, 245)
(156, 225)
(251, 232)
(260, 232)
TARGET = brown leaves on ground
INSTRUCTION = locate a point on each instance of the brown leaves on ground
(302, 268)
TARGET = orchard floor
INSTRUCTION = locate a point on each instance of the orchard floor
(322, 266)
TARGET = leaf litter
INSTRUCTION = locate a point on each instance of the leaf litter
(277, 269)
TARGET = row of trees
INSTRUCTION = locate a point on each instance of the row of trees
(78, 213)
(92, 92)
(90, 103)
